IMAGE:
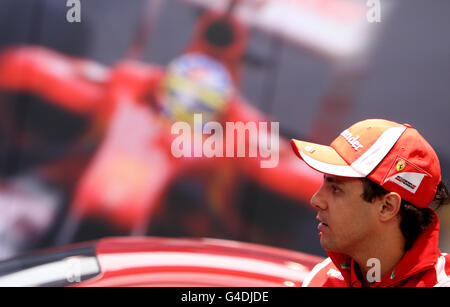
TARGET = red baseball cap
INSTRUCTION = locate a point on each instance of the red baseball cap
(392, 155)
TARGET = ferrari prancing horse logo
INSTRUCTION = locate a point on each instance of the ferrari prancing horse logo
(400, 166)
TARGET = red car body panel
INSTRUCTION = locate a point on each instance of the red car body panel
(167, 262)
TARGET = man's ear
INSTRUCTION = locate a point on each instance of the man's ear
(389, 206)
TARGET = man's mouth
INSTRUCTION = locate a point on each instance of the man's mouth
(322, 225)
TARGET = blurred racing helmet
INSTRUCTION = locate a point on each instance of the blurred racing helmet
(195, 84)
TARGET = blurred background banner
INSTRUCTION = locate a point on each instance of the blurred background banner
(87, 103)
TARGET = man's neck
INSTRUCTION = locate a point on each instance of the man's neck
(387, 251)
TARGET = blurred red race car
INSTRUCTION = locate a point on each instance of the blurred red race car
(153, 261)
(133, 107)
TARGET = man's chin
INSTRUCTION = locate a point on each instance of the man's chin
(323, 242)
(326, 244)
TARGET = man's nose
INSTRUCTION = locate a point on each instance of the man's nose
(317, 201)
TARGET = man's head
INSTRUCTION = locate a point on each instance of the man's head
(349, 222)
(380, 178)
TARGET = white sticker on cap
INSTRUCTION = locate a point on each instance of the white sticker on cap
(309, 149)
(409, 181)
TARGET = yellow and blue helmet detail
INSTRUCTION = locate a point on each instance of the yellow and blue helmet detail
(195, 84)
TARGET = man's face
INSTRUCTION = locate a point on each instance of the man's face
(346, 220)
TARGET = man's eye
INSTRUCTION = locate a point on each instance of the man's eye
(335, 189)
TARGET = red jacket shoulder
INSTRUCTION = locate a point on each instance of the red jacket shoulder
(324, 274)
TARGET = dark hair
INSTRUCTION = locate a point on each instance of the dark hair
(414, 220)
